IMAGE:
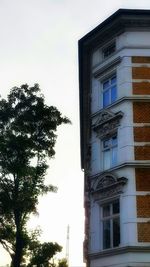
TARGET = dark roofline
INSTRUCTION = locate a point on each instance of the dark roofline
(120, 11)
(115, 22)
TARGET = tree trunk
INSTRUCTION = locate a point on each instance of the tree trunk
(16, 262)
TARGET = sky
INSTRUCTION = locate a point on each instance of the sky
(39, 44)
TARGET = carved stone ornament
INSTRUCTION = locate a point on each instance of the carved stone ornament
(107, 123)
(107, 186)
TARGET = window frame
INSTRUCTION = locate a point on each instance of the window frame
(110, 218)
(110, 148)
(108, 50)
(109, 89)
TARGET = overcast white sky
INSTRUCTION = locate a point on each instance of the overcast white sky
(38, 44)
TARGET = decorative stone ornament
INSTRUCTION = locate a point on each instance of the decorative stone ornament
(107, 123)
(108, 185)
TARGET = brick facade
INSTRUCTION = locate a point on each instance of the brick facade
(143, 206)
(143, 232)
(142, 152)
(142, 134)
(141, 72)
(142, 179)
(141, 112)
(140, 59)
(141, 88)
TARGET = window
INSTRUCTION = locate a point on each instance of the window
(109, 50)
(111, 224)
(109, 88)
(109, 152)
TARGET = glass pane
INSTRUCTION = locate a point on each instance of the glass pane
(116, 232)
(106, 98)
(106, 159)
(106, 211)
(114, 140)
(106, 143)
(114, 156)
(106, 85)
(106, 234)
(116, 208)
(113, 93)
(113, 80)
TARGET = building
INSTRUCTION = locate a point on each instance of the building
(114, 81)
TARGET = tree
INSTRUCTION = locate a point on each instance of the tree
(63, 263)
(42, 253)
(27, 139)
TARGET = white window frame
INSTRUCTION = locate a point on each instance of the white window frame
(110, 148)
(109, 89)
(110, 218)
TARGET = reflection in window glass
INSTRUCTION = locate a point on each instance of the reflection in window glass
(109, 91)
(110, 152)
(111, 224)
(106, 234)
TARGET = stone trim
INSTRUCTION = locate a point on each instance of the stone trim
(107, 123)
(105, 67)
(107, 185)
(120, 250)
(139, 98)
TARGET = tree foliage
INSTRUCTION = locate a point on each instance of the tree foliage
(42, 253)
(63, 263)
(27, 139)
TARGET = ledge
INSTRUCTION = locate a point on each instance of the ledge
(125, 98)
(139, 163)
(106, 66)
(120, 250)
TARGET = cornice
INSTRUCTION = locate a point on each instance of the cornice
(120, 250)
(107, 185)
(138, 98)
(138, 164)
(106, 66)
(107, 123)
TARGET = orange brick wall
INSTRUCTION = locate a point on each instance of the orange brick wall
(142, 179)
(140, 59)
(142, 134)
(143, 206)
(142, 152)
(141, 73)
(141, 88)
(141, 112)
(143, 232)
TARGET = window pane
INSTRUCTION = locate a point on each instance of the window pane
(113, 80)
(106, 143)
(114, 140)
(106, 234)
(113, 93)
(106, 85)
(116, 208)
(106, 211)
(106, 159)
(116, 232)
(106, 98)
(114, 156)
